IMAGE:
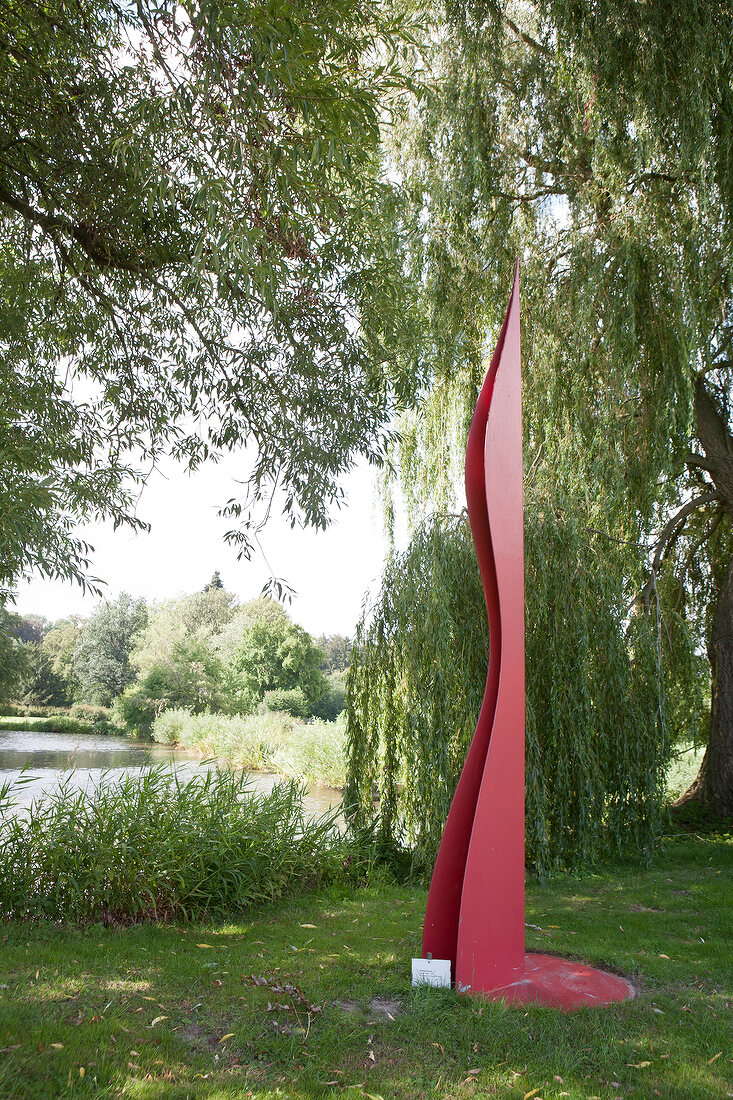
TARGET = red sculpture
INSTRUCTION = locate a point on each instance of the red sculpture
(475, 910)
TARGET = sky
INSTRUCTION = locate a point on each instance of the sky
(329, 570)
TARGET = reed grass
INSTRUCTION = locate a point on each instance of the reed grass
(272, 740)
(156, 846)
(56, 724)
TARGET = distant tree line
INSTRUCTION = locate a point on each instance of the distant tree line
(203, 651)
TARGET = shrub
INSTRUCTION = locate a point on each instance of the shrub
(289, 701)
(90, 713)
(29, 711)
(134, 710)
(154, 846)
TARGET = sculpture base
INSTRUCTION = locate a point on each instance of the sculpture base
(561, 983)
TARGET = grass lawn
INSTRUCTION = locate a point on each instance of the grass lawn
(172, 1011)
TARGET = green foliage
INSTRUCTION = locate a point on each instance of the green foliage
(333, 702)
(156, 846)
(175, 660)
(135, 712)
(13, 657)
(59, 645)
(196, 229)
(57, 724)
(337, 651)
(588, 139)
(262, 650)
(289, 700)
(271, 740)
(40, 684)
(102, 655)
(595, 745)
(316, 751)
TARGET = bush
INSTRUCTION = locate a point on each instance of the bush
(290, 701)
(90, 713)
(154, 847)
(21, 710)
(135, 711)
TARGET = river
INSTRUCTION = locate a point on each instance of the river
(85, 758)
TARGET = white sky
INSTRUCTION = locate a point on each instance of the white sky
(330, 570)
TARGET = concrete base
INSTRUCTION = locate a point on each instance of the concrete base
(561, 983)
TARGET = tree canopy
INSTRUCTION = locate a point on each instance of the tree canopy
(102, 655)
(198, 251)
(593, 140)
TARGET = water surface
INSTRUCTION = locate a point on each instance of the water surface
(82, 760)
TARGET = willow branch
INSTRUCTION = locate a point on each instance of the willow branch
(527, 38)
(670, 533)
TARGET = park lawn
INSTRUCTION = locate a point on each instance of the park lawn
(171, 1011)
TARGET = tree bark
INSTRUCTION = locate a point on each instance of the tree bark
(713, 787)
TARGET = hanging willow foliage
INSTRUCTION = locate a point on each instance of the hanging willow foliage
(596, 742)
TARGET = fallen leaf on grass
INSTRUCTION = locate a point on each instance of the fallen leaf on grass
(204, 945)
(715, 1057)
(638, 1065)
(308, 925)
(532, 1092)
(57, 1046)
(158, 1020)
(230, 1035)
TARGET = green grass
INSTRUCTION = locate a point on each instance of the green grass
(166, 1012)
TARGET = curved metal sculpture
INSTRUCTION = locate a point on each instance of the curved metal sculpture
(475, 910)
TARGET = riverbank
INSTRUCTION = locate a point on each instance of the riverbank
(313, 750)
(311, 999)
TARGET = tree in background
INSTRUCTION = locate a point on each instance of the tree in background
(262, 650)
(215, 582)
(174, 659)
(59, 646)
(28, 628)
(102, 655)
(196, 235)
(337, 650)
(13, 658)
(594, 141)
(40, 684)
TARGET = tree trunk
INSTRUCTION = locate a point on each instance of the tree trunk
(713, 787)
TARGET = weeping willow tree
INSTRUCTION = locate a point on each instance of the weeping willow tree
(599, 700)
(595, 141)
